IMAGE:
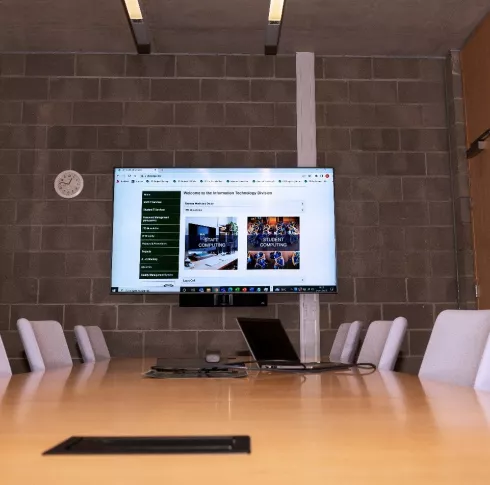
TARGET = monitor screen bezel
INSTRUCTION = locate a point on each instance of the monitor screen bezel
(333, 289)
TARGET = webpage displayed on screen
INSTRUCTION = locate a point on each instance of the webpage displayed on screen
(223, 230)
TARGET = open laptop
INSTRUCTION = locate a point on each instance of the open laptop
(271, 348)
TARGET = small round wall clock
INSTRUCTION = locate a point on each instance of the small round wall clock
(68, 184)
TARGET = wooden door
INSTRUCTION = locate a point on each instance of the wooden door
(479, 168)
(475, 65)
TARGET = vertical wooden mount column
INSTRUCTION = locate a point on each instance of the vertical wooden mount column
(306, 141)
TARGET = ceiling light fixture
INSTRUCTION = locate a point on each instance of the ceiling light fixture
(134, 10)
(137, 25)
(274, 24)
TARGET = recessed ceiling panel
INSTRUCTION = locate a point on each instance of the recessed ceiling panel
(64, 26)
(236, 26)
(380, 27)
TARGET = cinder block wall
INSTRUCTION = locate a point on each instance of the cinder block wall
(381, 124)
(383, 127)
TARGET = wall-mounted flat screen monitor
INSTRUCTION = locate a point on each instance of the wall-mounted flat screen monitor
(223, 230)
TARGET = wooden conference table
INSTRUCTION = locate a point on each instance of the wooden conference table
(334, 428)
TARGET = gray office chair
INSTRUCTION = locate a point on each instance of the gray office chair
(482, 381)
(346, 342)
(5, 369)
(456, 349)
(83, 341)
(45, 344)
(99, 345)
(351, 345)
(382, 343)
(31, 347)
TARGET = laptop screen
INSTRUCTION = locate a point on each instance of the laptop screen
(267, 339)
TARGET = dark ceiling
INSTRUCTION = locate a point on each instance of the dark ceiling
(338, 27)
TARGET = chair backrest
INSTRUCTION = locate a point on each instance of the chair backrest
(31, 347)
(482, 381)
(393, 344)
(51, 344)
(456, 347)
(346, 342)
(83, 341)
(5, 369)
(382, 343)
(99, 345)
(374, 342)
(351, 344)
(339, 342)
